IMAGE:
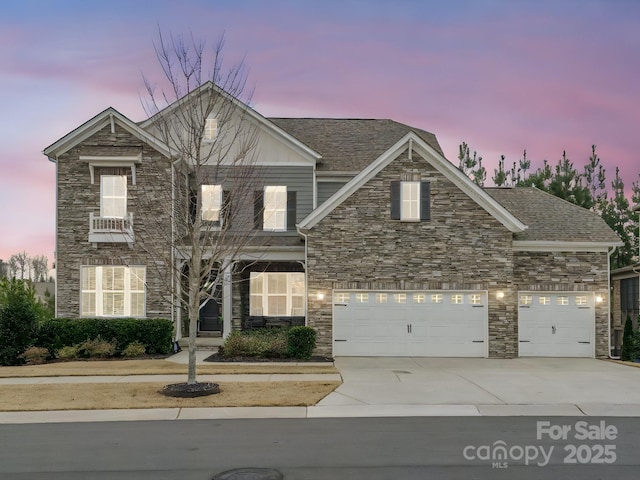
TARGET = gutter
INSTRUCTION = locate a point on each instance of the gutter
(610, 252)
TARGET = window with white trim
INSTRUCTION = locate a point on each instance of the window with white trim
(276, 294)
(112, 291)
(210, 129)
(456, 299)
(211, 203)
(419, 298)
(362, 298)
(436, 298)
(526, 299)
(342, 297)
(409, 201)
(581, 300)
(381, 298)
(475, 299)
(562, 300)
(113, 196)
(275, 208)
(400, 297)
(544, 300)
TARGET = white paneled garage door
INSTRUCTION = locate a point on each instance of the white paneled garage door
(553, 324)
(405, 324)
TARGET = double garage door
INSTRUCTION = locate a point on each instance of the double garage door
(420, 324)
(454, 324)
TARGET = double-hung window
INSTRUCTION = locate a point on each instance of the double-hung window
(113, 196)
(211, 203)
(112, 291)
(210, 129)
(275, 208)
(410, 201)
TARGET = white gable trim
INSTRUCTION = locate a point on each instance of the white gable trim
(559, 246)
(269, 127)
(439, 163)
(110, 116)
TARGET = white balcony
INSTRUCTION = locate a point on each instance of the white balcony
(111, 230)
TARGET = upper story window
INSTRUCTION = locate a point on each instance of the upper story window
(274, 209)
(210, 129)
(410, 201)
(113, 196)
(211, 203)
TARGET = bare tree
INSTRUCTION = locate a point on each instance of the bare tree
(40, 266)
(202, 116)
(20, 264)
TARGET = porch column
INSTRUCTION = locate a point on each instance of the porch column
(226, 300)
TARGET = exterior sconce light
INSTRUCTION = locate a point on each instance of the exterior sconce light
(320, 296)
(599, 299)
(500, 295)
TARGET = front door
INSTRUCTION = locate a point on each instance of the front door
(209, 317)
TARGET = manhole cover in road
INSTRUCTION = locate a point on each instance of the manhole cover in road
(249, 474)
(401, 371)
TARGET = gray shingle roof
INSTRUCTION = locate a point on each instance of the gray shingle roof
(550, 218)
(349, 144)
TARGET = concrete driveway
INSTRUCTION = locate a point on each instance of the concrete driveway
(460, 386)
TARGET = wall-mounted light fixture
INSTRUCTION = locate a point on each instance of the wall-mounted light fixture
(499, 294)
(320, 296)
(599, 299)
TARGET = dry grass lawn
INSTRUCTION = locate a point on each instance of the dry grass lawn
(89, 396)
(153, 367)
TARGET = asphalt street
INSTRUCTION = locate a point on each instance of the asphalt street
(335, 448)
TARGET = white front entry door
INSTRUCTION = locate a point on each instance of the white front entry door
(556, 324)
(404, 324)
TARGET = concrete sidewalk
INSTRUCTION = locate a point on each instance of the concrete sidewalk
(394, 387)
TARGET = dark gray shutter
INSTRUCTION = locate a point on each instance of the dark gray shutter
(225, 214)
(425, 201)
(291, 210)
(258, 207)
(395, 200)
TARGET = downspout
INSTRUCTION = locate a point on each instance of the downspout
(610, 252)
(306, 276)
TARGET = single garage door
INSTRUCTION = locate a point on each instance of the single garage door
(406, 324)
(552, 324)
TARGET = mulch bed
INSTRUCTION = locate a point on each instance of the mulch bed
(218, 358)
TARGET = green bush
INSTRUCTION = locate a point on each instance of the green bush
(96, 348)
(154, 333)
(301, 342)
(256, 343)
(35, 355)
(17, 320)
(628, 341)
(68, 352)
(134, 349)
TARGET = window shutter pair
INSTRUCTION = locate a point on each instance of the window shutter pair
(425, 201)
(258, 209)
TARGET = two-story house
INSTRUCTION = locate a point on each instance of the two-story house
(363, 231)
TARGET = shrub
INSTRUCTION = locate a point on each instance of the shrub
(96, 348)
(300, 342)
(17, 320)
(134, 349)
(68, 352)
(35, 355)
(256, 343)
(155, 334)
(628, 341)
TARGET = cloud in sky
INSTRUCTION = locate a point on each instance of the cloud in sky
(501, 75)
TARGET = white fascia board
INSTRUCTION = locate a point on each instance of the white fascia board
(440, 163)
(558, 246)
(270, 127)
(96, 124)
(464, 183)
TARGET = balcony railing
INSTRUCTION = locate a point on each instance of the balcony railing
(111, 230)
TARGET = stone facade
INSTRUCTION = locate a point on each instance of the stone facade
(568, 272)
(358, 246)
(147, 200)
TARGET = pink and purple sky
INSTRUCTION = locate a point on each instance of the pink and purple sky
(502, 75)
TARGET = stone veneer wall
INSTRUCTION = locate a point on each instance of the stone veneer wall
(569, 272)
(358, 246)
(147, 200)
